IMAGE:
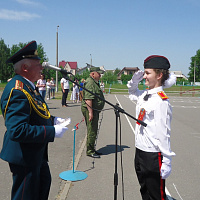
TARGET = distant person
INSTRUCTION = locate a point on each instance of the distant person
(41, 84)
(29, 128)
(75, 92)
(48, 88)
(102, 86)
(81, 89)
(91, 107)
(153, 152)
(65, 91)
(53, 84)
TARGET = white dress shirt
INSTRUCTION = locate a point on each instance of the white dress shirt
(65, 83)
(155, 137)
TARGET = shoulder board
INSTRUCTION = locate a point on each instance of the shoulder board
(162, 95)
(19, 85)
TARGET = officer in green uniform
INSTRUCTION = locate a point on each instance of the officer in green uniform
(30, 127)
(91, 107)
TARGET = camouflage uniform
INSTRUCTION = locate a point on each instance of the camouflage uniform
(97, 106)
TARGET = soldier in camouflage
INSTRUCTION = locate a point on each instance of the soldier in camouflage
(91, 107)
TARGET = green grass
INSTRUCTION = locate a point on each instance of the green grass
(122, 88)
(2, 86)
(174, 90)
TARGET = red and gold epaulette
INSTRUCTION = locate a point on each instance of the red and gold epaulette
(163, 95)
(19, 85)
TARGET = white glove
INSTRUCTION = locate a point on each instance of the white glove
(59, 130)
(61, 121)
(165, 170)
(170, 81)
(58, 120)
(137, 77)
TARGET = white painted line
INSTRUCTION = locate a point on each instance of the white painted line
(130, 100)
(169, 197)
(126, 116)
(177, 192)
(166, 190)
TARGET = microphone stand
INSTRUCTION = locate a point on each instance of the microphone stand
(117, 110)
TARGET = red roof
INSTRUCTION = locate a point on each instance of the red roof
(62, 63)
(73, 65)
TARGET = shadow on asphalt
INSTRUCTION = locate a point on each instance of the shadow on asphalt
(53, 108)
(170, 198)
(109, 149)
(73, 105)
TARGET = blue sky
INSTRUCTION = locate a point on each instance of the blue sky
(117, 33)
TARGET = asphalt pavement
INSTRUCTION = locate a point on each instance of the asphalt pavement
(183, 182)
(100, 181)
(60, 151)
(185, 138)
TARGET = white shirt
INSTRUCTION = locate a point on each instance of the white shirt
(52, 84)
(41, 82)
(155, 137)
(65, 83)
(48, 85)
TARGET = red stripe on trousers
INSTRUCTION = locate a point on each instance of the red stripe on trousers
(44, 132)
(161, 180)
(23, 187)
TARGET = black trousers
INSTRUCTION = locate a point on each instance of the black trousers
(30, 183)
(64, 96)
(147, 167)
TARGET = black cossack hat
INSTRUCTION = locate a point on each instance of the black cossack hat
(156, 62)
(29, 51)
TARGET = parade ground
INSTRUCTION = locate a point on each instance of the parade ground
(183, 183)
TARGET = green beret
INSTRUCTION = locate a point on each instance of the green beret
(29, 51)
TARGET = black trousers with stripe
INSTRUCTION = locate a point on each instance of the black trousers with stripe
(147, 167)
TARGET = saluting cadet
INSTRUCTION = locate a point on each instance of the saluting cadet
(30, 127)
(153, 152)
(91, 107)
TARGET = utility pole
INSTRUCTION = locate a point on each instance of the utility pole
(57, 59)
(194, 70)
(91, 61)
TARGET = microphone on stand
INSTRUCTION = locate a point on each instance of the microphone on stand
(47, 65)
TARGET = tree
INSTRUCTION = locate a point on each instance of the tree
(109, 77)
(194, 59)
(14, 49)
(85, 74)
(4, 55)
(78, 77)
(7, 70)
(125, 78)
(117, 70)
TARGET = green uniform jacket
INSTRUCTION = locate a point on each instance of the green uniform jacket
(28, 122)
(94, 87)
